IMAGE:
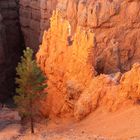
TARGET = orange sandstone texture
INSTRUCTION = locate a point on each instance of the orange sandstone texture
(110, 91)
(116, 26)
(115, 23)
(68, 63)
(79, 46)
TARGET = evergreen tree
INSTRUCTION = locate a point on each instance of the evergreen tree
(31, 85)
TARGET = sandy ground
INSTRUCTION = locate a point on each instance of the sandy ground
(123, 124)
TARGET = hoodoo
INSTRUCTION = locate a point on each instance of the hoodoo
(69, 66)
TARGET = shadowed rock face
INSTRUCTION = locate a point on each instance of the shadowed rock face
(86, 37)
(10, 45)
(34, 19)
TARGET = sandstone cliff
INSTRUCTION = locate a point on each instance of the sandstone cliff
(86, 38)
(81, 47)
(10, 45)
(34, 19)
(66, 58)
(116, 25)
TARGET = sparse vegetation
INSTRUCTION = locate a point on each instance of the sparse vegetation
(31, 85)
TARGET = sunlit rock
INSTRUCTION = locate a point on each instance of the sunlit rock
(76, 58)
(68, 64)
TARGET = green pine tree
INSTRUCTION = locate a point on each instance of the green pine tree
(31, 85)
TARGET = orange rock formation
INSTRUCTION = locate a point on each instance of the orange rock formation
(69, 61)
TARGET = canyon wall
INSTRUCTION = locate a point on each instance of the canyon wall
(10, 45)
(116, 25)
(116, 37)
(89, 51)
(34, 19)
(86, 54)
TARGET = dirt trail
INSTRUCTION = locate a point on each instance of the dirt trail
(100, 125)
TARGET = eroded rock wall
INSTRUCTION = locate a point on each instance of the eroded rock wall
(111, 92)
(67, 63)
(10, 45)
(116, 25)
(34, 19)
(85, 39)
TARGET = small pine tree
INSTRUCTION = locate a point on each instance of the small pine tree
(31, 85)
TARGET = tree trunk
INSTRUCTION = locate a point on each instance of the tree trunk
(31, 118)
(32, 125)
